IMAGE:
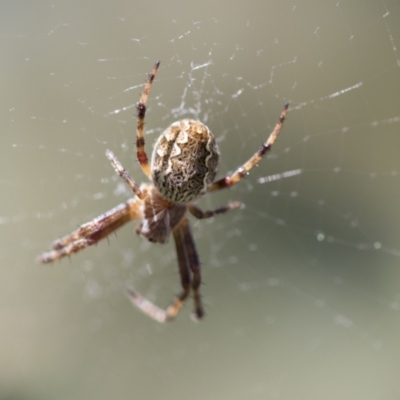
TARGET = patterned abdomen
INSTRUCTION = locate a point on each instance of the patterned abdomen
(184, 161)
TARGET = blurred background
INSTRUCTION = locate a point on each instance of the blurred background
(301, 287)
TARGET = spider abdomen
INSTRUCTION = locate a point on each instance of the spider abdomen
(184, 161)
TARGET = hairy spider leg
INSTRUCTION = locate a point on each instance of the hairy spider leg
(184, 269)
(149, 308)
(200, 214)
(195, 267)
(247, 166)
(123, 173)
(141, 107)
(93, 231)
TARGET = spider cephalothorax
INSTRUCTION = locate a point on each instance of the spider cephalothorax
(183, 168)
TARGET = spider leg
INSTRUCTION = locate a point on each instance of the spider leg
(247, 166)
(184, 270)
(93, 231)
(141, 107)
(188, 261)
(194, 264)
(172, 311)
(123, 173)
(200, 214)
(146, 306)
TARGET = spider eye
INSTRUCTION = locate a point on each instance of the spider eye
(185, 161)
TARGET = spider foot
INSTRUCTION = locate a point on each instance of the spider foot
(157, 313)
(195, 318)
(147, 307)
(198, 315)
(59, 252)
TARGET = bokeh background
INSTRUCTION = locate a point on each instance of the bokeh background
(301, 286)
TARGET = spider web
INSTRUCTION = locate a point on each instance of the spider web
(301, 287)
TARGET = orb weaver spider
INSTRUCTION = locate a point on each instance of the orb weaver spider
(183, 168)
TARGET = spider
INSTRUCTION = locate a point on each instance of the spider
(183, 168)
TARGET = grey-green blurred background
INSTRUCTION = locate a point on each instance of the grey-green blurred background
(301, 286)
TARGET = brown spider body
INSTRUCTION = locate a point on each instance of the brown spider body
(183, 168)
(184, 161)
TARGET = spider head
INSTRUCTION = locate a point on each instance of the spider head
(184, 161)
